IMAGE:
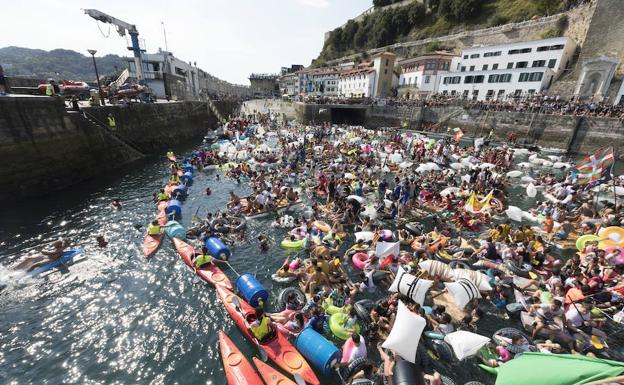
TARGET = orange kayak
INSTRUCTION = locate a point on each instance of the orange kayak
(270, 375)
(279, 349)
(150, 244)
(238, 370)
(209, 273)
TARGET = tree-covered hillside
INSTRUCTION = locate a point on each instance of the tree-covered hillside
(431, 18)
(57, 64)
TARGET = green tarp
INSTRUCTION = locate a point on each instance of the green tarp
(555, 369)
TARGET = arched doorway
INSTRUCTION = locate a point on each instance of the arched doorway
(592, 85)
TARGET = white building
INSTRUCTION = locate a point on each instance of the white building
(358, 82)
(421, 76)
(514, 70)
(288, 84)
(318, 82)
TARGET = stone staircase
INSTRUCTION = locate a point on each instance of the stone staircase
(216, 111)
(132, 148)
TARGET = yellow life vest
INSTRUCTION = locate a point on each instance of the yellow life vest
(203, 260)
(111, 122)
(153, 229)
(49, 90)
(162, 197)
(262, 330)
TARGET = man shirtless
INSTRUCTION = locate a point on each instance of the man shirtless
(54, 252)
(316, 280)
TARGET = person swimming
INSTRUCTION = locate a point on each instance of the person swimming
(49, 254)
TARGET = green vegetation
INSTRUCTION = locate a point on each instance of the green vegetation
(57, 64)
(558, 29)
(431, 18)
(383, 3)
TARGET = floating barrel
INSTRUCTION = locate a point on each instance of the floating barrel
(251, 289)
(217, 249)
(187, 167)
(187, 177)
(180, 191)
(319, 352)
(174, 208)
(175, 230)
(406, 373)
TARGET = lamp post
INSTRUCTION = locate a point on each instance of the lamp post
(97, 76)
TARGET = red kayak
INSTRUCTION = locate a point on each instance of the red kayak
(279, 349)
(210, 273)
(270, 375)
(150, 244)
(237, 369)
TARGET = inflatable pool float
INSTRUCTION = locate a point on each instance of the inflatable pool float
(360, 260)
(283, 296)
(583, 239)
(337, 326)
(299, 232)
(322, 226)
(611, 236)
(329, 307)
(288, 244)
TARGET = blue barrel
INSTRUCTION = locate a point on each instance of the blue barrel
(175, 230)
(188, 167)
(174, 208)
(251, 289)
(217, 249)
(319, 352)
(187, 178)
(180, 191)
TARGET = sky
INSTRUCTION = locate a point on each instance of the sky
(228, 38)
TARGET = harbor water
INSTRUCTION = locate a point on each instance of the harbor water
(115, 317)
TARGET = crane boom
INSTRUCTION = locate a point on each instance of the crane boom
(122, 28)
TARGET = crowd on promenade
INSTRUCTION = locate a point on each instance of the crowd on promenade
(543, 104)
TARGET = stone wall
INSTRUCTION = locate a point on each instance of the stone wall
(570, 133)
(44, 148)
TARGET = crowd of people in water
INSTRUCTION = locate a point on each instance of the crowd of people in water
(365, 211)
(556, 268)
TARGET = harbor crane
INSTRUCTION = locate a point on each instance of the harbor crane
(123, 27)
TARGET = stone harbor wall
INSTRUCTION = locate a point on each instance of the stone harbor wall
(45, 148)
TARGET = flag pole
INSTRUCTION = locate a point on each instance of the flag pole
(613, 181)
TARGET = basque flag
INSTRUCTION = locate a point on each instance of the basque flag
(595, 167)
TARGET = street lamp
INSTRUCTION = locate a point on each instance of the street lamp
(97, 76)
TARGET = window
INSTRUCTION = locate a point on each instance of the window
(387, 62)
(543, 48)
(531, 76)
(556, 47)
(463, 69)
(472, 68)
(430, 66)
(552, 63)
(510, 65)
(517, 93)
(531, 92)
(489, 94)
(517, 51)
(522, 64)
(493, 79)
(500, 94)
(386, 71)
(478, 79)
(458, 65)
(538, 63)
(474, 56)
(427, 79)
(495, 66)
(468, 80)
(485, 67)
(489, 54)
(453, 93)
(465, 56)
(475, 94)
(465, 94)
